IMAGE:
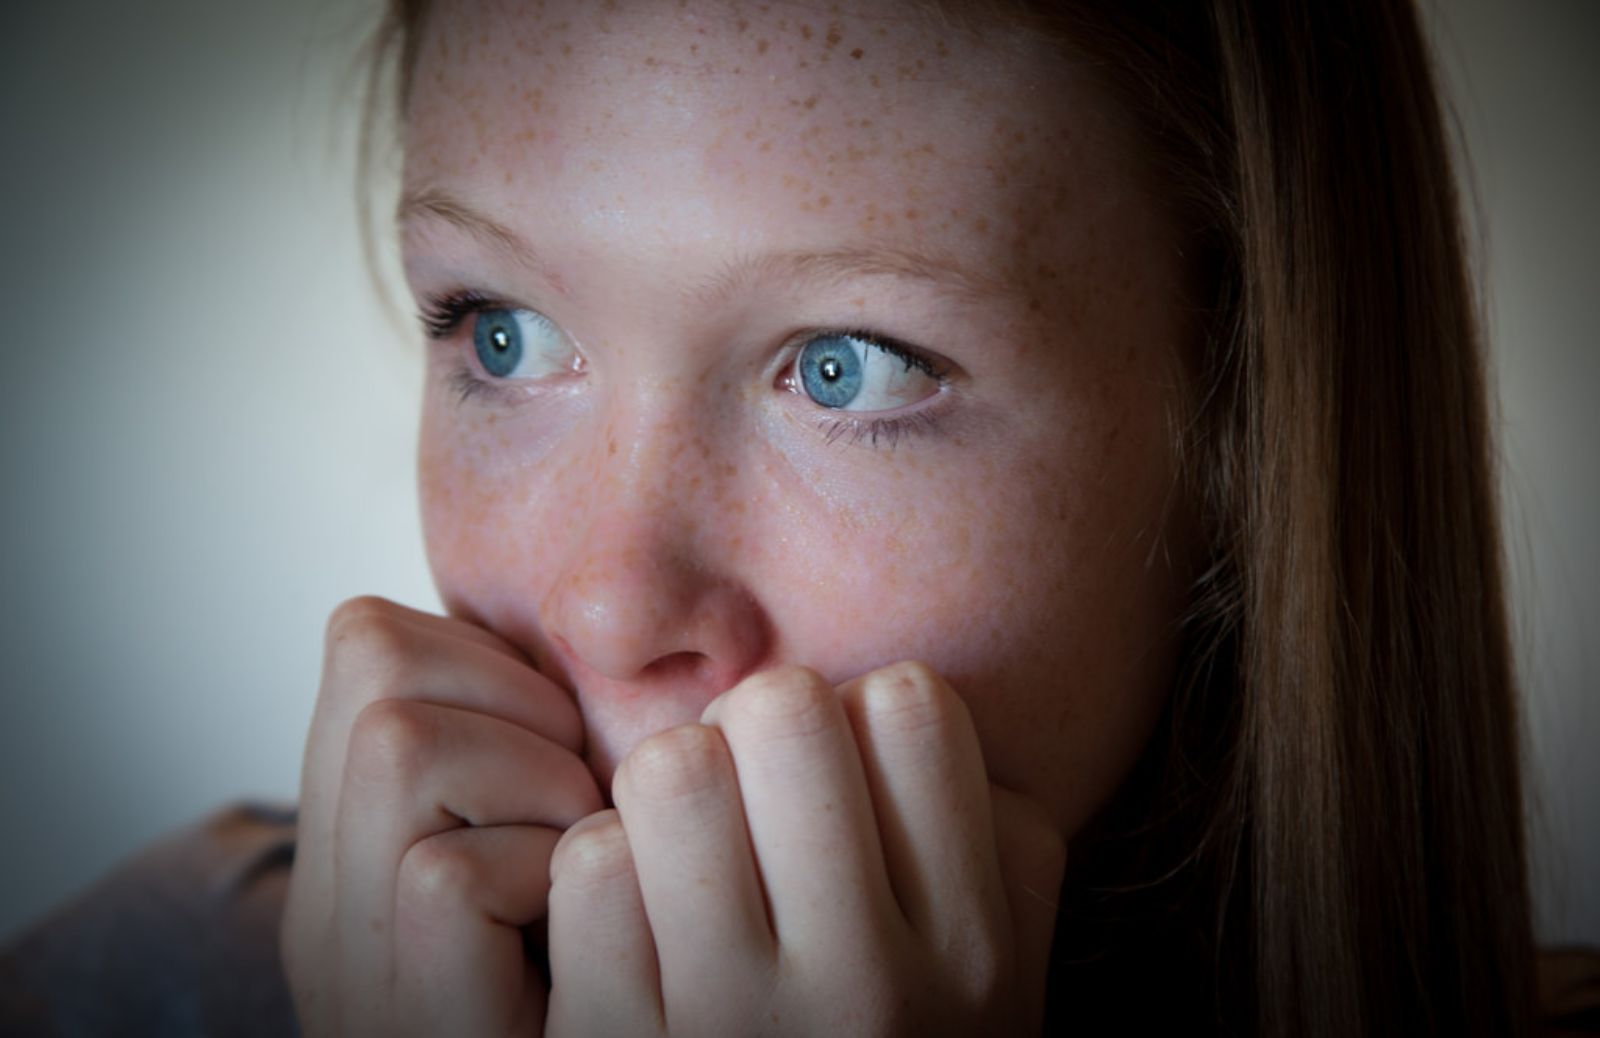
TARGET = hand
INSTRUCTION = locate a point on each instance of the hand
(440, 771)
(803, 862)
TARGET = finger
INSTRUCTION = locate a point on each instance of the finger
(463, 897)
(447, 626)
(679, 801)
(604, 978)
(930, 796)
(416, 770)
(379, 650)
(1033, 859)
(807, 807)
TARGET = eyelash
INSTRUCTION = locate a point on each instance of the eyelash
(442, 316)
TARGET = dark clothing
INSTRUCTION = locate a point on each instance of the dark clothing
(181, 940)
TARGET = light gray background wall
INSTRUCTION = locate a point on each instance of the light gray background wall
(206, 416)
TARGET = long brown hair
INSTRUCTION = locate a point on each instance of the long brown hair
(1347, 728)
(1327, 839)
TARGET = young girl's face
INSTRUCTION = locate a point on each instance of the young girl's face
(771, 335)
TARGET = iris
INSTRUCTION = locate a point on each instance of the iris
(831, 370)
(498, 340)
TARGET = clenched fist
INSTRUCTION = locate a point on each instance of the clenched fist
(803, 860)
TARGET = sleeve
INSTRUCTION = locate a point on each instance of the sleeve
(181, 940)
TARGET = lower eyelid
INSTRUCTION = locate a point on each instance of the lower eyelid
(877, 432)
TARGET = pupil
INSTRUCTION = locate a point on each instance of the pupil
(501, 340)
(832, 369)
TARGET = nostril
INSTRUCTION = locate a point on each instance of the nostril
(685, 667)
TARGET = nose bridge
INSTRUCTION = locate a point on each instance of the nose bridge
(656, 470)
(639, 584)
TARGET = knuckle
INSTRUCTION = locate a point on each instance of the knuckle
(784, 702)
(674, 763)
(909, 697)
(353, 612)
(365, 636)
(437, 871)
(595, 855)
(392, 738)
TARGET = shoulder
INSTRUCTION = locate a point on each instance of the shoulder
(182, 939)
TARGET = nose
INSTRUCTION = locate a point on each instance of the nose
(650, 594)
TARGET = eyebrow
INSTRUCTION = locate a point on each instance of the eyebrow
(837, 265)
(440, 205)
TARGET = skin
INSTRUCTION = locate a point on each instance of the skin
(676, 586)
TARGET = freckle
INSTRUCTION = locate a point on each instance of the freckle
(981, 224)
(566, 50)
(694, 48)
(835, 34)
(805, 31)
(944, 52)
(912, 214)
(765, 146)
(761, 46)
(873, 79)
(857, 53)
(823, 202)
(742, 25)
(811, 102)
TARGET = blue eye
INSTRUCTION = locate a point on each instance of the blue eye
(849, 372)
(517, 343)
(830, 371)
(498, 340)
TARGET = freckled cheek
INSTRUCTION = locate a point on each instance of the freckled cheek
(487, 508)
(916, 566)
(1007, 583)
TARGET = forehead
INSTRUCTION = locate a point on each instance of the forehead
(882, 121)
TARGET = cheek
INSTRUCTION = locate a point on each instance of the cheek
(480, 519)
(1030, 583)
